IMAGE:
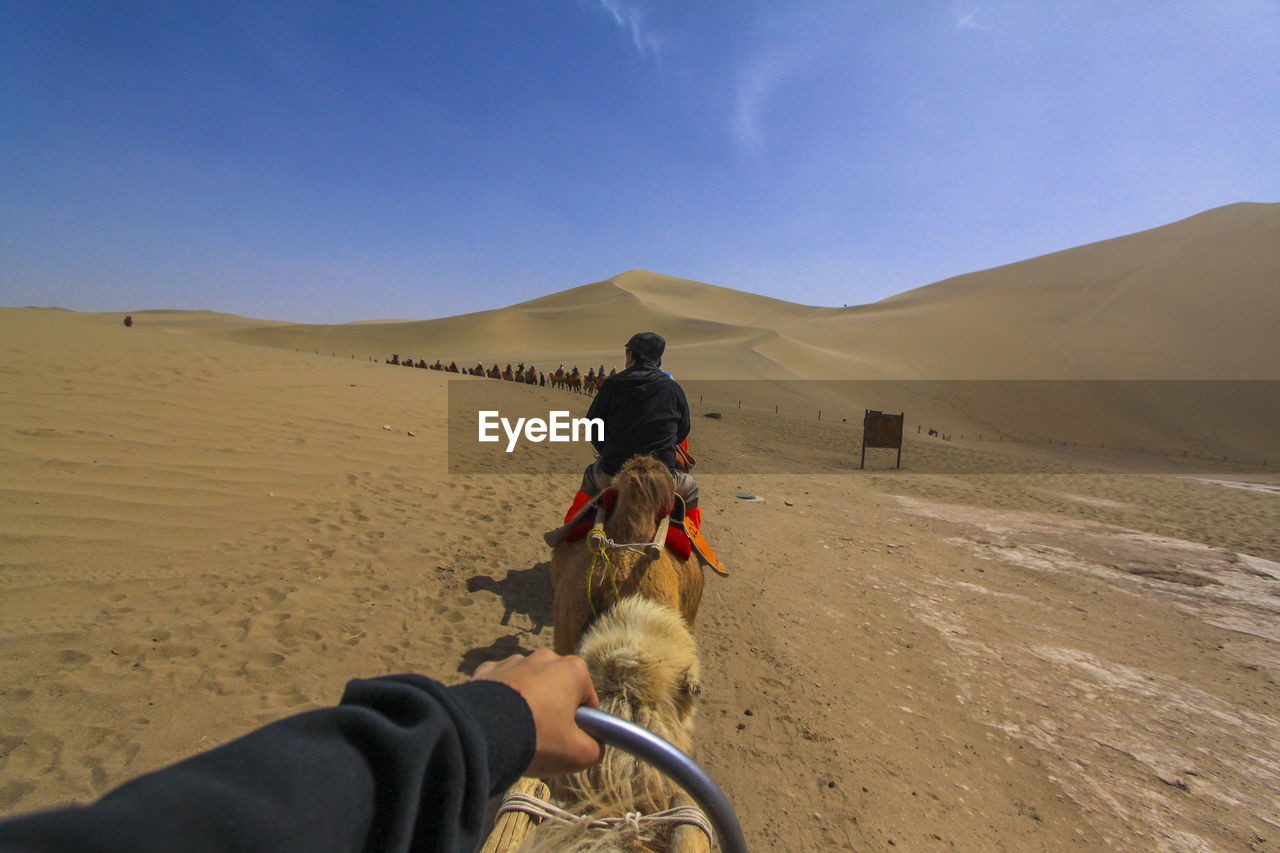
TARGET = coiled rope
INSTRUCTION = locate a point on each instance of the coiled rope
(541, 810)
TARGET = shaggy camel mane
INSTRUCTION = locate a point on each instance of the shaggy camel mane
(644, 663)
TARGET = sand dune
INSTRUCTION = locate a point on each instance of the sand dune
(208, 522)
(1194, 300)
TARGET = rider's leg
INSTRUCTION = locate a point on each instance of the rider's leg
(687, 489)
(594, 481)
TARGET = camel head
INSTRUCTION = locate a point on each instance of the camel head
(646, 493)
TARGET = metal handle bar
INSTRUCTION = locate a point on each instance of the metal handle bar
(662, 754)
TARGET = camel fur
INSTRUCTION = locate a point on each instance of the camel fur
(644, 664)
(585, 585)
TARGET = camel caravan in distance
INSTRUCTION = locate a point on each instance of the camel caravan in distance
(574, 380)
(567, 380)
(625, 599)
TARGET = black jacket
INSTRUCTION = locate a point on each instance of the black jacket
(404, 763)
(644, 411)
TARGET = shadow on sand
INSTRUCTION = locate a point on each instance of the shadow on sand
(523, 591)
(503, 647)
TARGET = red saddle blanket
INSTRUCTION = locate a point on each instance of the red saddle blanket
(677, 540)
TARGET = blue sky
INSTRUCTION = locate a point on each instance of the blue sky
(326, 162)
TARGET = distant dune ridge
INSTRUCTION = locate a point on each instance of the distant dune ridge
(1198, 299)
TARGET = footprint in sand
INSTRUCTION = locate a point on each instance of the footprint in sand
(70, 658)
(263, 663)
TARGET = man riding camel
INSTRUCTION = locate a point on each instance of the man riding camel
(644, 411)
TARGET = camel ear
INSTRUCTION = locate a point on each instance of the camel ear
(689, 690)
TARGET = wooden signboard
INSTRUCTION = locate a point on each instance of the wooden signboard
(881, 430)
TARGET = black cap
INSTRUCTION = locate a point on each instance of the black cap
(647, 346)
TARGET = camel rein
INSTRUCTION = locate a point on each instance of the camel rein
(600, 545)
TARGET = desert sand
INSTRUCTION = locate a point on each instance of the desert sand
(208, 523)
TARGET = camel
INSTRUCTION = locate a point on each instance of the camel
(586, 584)
(631, 617)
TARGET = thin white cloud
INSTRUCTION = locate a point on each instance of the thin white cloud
(967, 19)
(753, 90)
(277, 41)
(630, 18)
(793, 40)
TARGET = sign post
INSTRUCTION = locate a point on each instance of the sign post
(881, 430)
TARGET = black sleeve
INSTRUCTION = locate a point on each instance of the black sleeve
(599, 408)
(682, 429)
(403, 763)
